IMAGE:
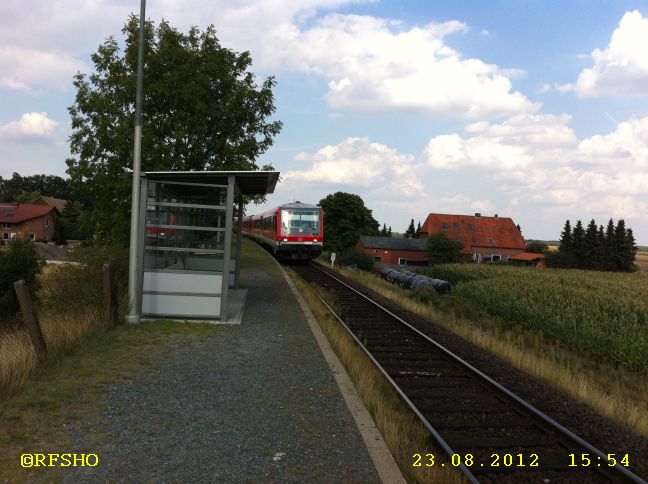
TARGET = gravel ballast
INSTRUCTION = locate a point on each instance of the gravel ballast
(249, 403)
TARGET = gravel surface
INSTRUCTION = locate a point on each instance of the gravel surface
(250, 403)
(578, 417)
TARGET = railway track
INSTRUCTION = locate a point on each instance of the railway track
(483, 429)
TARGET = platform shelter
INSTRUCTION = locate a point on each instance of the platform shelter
(190, 242)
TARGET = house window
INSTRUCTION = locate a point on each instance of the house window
(496, 258)
(401, 261)
(5, 225)
(445, 225)
(470, 226)
(377, 259)
(32, 236)
(46, 222)
(457, 227)
(491, 241)
(487, 258)
(5, 236)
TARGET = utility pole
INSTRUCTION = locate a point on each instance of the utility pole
(133, 263)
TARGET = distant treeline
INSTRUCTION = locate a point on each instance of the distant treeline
(610, 248)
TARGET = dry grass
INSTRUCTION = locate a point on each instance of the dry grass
(400, 428)
(69, 311)
(641, 259)
(619, 395)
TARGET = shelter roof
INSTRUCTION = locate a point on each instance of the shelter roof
(248, 182)
(15, 213)
(393, 243)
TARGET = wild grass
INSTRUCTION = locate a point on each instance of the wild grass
(69, 305)
(616, 392)
(401, 430)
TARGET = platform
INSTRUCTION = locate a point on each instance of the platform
(255, 402)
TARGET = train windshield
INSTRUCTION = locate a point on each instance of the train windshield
(300, 222)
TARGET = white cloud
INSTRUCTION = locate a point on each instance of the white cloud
(377, 66)
(360, 162)
(30, 126)
(513, 144)
(537, 161)
(25, 69)
(621, 69)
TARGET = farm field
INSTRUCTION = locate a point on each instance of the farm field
(601, 315)
(641, 259)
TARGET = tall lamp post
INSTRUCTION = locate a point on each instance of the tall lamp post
(133, 263)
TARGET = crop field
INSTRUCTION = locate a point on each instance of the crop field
(641, 259)
(601, 315)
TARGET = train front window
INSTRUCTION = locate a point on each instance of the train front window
(299, 222)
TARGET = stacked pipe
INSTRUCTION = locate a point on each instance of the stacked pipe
(412, 280)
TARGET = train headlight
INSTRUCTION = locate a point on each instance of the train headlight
(314, 240)
(285, 239)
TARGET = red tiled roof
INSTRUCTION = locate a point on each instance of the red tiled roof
(527, 256)
(16, 213)
(475, 231)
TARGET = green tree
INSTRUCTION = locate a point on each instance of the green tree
(389, 232)
(411, 230)
(24, 189)
(578, 242)
(536, 247)
(202, 110)
(590, 247)
(19, 262)
(347, 219)
(383, 231)
(418, 230)
(566, 244)
(441, 249)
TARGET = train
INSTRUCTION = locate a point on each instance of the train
(293, 231)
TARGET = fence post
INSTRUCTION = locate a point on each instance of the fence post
(30, 317)
(110, 293)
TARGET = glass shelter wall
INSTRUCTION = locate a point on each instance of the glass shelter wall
(184, 238)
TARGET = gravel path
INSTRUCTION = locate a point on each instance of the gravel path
(250, 403)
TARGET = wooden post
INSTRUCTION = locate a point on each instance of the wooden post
(29, 317)
(110, 293)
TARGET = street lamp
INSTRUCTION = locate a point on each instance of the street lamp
(133, 315)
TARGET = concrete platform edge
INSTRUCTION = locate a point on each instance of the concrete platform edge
(378, 451)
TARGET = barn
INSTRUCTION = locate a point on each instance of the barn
(486, 239)
(394, 250)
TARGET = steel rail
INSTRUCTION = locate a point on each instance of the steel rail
(553, 424)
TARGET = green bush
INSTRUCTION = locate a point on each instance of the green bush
(355, 256)
(20, 261)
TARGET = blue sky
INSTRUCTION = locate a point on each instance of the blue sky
(537, 110)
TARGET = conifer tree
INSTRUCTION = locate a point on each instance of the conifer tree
(418, 230)
(578, 243)
(389, 232)
(590, 247)
(630, 249)
(609, 247)
(411, 230)
(383, 231)
(566, 245)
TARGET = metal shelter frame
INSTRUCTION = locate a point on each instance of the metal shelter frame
(193, 285)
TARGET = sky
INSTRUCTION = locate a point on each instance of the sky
(535, 110)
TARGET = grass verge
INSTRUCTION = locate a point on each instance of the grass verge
(616, 393)
(68, 386)
(401, 430)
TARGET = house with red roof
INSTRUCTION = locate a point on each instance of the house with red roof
(486, 239)
(27, 221)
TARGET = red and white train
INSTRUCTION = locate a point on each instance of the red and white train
(291, 231)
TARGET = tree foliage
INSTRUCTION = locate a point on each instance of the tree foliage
(24, 189)
(202, 110)
(346, 220)
(19, 262)
(411, 230)
(595, 247)
(536, 247)
(443, 250)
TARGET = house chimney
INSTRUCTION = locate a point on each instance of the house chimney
(477, 214)
(495, 215)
